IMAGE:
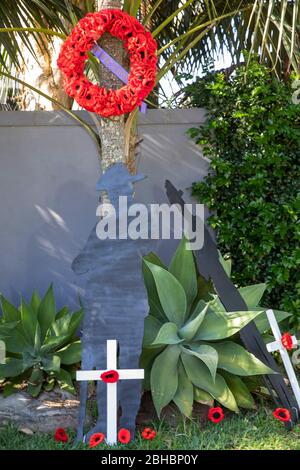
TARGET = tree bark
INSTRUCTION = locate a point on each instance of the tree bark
(112, 130)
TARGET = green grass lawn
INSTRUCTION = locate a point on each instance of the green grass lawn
(250, 430)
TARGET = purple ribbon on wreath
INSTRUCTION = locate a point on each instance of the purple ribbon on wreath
(114, 67)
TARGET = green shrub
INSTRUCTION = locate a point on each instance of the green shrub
(42, 347)
(252, 137)
(191, 349)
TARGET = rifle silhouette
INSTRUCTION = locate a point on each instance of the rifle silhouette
(210, 267)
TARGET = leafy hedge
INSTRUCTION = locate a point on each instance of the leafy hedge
(252, 136)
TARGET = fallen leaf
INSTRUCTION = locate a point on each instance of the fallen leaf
(27, 431)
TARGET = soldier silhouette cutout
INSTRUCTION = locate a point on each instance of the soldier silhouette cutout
(115, 303)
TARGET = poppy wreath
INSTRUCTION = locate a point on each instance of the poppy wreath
(141, 48)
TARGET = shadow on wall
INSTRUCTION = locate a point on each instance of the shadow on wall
(48, 171)
(60, 232)
(166, 152)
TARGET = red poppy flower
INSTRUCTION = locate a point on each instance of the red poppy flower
(148, 434)
(61, 435)
(216, 414)
(282, 414)
(121, 28)
(110, 376)
(96, 439)
(125, 98)
(287, 341)
(124, 436)
(142, 55)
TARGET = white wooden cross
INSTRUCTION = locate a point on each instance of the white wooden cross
(112, 401)
(278, 346)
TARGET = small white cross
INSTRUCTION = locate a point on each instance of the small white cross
(278, 346)
(112, 402)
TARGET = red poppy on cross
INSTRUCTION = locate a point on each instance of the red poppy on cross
(118, 374)
(278, 345)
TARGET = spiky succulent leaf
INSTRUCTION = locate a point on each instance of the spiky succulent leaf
(6, 329)
(65, 381)
(235, 359)
(205, 289)
(51, 363)
(240, 391)
(156, 309)
(220, 325)
(171, 294)
(201, 378)
(206, 354)
(9, 311)
(154, 259)
(190, 329)
(168, 334)
(71, 353)
(146, 361)
(35, 301)
(16, 343)
(216, 304)
(61, 313)
(164, 377)
(30, 359)
(184, 395)
(29, 321)
(75, 323)
(151, 328)
(183, 267)
(54, 343)
(35, 382)
(47, 311)
(262, 321)
(252, 295)
(37, 339)
(201, 396)
(12, 368)
(60, 326)
(66, 326)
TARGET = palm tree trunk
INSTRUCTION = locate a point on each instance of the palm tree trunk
(112, 130)
(42, 73)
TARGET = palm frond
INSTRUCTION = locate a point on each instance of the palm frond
(88, 128)
(46, 14)
(269, 28)
(190, 33)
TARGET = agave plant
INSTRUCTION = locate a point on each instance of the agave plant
(191, 349)
(42, 347)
